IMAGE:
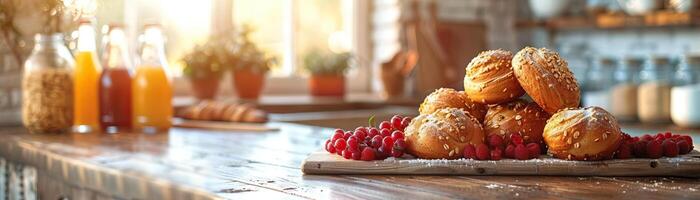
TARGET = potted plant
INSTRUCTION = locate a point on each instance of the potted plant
(204, 70)
(327, 73)
(249, 65)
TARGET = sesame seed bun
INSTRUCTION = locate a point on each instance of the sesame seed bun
(582, 134)
(443, 134)
(450, 98)
(489, 78)
(520, 116)
(546, 77)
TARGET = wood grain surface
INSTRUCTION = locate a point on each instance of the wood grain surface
(211, 164)
(688, 165)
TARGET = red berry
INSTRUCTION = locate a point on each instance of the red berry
(496, 154)
(368, 154)
(385, 125)
(397, 135)
(376, 141)
(385, 132)
(688, 139)
(353, 143)
(399, 145)
(495, 141)
(405, 122)
(654, 149)
(337, 135)
(361, 128)
(521, 152)
(516, 139)
(383, 153)
(624, 152)
(396, 122)
(360, 134)
(469, 151)
(533, 149)
(388, 143)
(659, 136)
(340, 144)
(330, 148)
(372, 132)
(647, 137)
(683, 147)
(325, 146)
(510, 151)
(347, 135)
(482, 152)
(668, 135)
(635, 139)
(397, 154)
(356, 155)
(347, 154)
(640, 149)
(670, 148)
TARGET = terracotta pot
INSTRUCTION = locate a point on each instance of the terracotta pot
(205, 88)
(248, 84)
(327, 85)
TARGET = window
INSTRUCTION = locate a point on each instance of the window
(305, 25)
(286, 29)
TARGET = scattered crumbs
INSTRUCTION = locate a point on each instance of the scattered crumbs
(624, 191)
(692, 189)
(597, 182)
(517, 194)
(233, 190)
(493, 186)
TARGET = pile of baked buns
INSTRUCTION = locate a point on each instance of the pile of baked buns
(491, 104)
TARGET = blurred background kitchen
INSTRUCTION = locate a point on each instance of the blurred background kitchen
(335, 62)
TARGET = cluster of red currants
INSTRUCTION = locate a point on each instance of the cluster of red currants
(654, 146)
(496, 149)
(370, 143)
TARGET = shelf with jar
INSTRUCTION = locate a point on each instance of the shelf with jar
(610, 14)
(617, 20)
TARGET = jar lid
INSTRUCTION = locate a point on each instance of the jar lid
(606, 61)
(633, 61)
(659, 60)
(692, 59)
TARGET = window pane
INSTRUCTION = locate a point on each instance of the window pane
(325, 25)
(186, 24)
(266, 17)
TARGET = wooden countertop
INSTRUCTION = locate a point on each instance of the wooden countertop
(201, 164)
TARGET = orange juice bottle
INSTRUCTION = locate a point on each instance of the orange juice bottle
(87, 73)
(151, 88)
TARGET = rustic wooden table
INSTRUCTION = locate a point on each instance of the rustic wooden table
(201, 164)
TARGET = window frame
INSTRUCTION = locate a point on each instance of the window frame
(293, 83)
(360, 82)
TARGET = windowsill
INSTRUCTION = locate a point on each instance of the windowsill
(305, 102)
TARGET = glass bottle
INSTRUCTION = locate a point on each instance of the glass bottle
(152, 92)
(115, 83)
(87, 74)
(598, 80)
(685, 94)
(623, 101)
(654, 93)
(47, 86)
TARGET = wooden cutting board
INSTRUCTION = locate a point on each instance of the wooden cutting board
(683, 166)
